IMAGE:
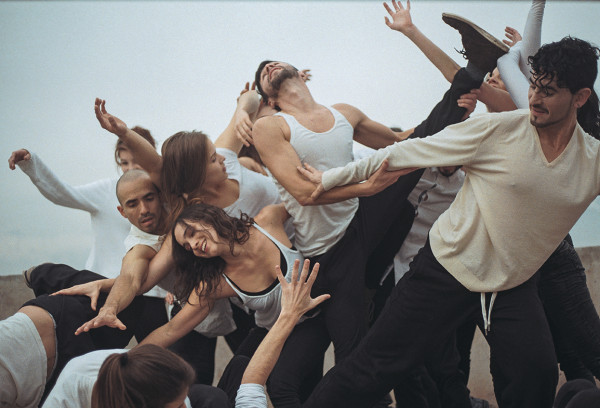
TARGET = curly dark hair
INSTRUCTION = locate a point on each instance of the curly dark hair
(574, 65)
(202, 275)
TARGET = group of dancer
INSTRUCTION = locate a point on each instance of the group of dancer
(471, 214)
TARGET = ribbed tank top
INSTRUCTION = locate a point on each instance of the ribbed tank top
(319, 227)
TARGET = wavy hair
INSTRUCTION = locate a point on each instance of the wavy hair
(202, 275)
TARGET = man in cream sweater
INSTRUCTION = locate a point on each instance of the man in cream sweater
(529, 176)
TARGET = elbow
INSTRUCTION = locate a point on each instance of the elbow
(305, 200)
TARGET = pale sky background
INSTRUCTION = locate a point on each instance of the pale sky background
(172, 66)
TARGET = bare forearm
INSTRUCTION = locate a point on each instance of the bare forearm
(446, 65)
(122, 294)
(142, 150)
(268, 352)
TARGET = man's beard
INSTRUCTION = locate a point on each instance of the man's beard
(286, 73)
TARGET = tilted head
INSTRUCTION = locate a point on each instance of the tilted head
(140, 201)
(123, 156)
(146, 376)
(269, 77)
(201, 233)
(562, 84)
(190, 162)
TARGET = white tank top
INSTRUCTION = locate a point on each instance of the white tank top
(267, 304)
(319, 227)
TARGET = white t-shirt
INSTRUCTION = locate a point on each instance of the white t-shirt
(138, 237)
(74, 386)
(23, 363)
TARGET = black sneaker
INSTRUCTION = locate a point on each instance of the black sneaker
(480, 47)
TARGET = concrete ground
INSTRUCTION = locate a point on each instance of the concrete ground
(13, 293)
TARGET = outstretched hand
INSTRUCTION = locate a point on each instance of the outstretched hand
(512, 35)
(401, 19)
(106, 317)
(17, 156)
(108, 121)
(295, 295)
(89, 289)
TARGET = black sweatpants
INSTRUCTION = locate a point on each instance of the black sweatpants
(343, 267)
(422, 313)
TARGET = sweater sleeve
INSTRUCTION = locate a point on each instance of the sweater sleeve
(57, 191)
(453, 146)
(251, 396)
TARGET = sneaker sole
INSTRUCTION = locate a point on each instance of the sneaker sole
(448, 17)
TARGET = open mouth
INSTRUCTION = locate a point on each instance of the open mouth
(204, 246)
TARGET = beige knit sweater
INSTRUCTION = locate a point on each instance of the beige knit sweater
(514, 207)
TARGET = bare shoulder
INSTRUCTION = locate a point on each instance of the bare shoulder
(140, 251)
(351, 113)
(272, 218)
(269, 127)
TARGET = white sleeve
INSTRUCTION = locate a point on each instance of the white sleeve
(455, 145)
(517, 84)
(532, 34)
(251, 396)
(60, 193)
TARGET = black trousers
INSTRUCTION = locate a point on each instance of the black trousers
(421, 315)
(70, 312)
(344, 266)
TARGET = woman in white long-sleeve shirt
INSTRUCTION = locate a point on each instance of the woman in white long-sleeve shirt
(98, 198)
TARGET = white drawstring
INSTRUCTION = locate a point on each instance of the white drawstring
(487, 316)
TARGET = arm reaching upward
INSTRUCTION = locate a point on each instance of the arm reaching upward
(140, 148)
(295, 301)
(402, 22)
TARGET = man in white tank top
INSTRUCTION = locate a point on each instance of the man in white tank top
(338, 229)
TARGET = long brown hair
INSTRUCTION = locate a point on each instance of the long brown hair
(147, 376)
(184, 155)
(203, 274)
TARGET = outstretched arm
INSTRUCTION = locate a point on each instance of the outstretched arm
(140, 148)
(191, 315)
(402, 22)
(84, 197)
(134, 271)
(295, 301)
